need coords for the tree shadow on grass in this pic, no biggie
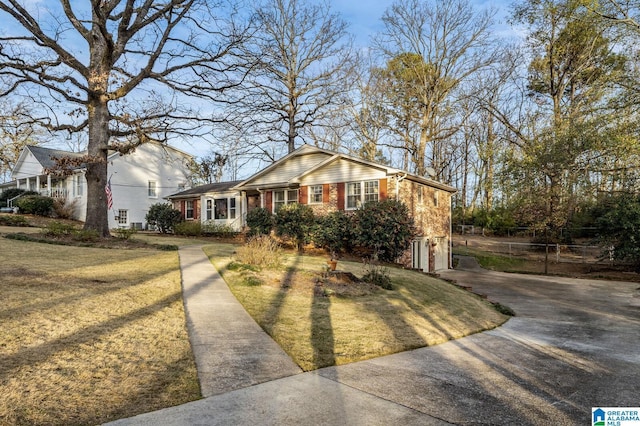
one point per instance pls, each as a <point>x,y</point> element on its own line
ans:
<point>322,338</point>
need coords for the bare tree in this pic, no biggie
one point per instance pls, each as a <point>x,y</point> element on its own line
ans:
<point>16,131</point>
<point>432,48</point>
<point>301,52</point>
<point>118,70</point>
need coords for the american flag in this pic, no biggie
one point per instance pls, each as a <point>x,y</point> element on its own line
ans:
<point>107,190</point>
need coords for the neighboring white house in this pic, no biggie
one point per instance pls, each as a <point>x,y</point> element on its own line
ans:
<point>329,181</point>
<point>138,180</point>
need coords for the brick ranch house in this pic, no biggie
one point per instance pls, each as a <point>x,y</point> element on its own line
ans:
<point>327,181</point>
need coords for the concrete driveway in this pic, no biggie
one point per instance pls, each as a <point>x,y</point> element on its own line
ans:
<point>573,345</point>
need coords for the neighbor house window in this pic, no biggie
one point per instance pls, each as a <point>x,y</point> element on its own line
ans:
<point>224,208</point>
<point>359,193</point>
<point>221,208</point>
<point>188,210</point>
<point>435,198</point>
<point>280,198</point>
<point>77,185</point>
<point>232,208</point>
<point>209,209</point>
<point>152,189</point>
<point>123,217</point>
<point>315,194</point>
<point>420,193</point>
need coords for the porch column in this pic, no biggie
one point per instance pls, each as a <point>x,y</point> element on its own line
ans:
<point>28,185</point>
<point>49,185</point>
<point>38,184</point>
<point>243,208</point>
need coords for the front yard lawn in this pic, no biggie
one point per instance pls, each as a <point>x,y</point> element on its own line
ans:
<point>90,335</point>
<point>338,323</point>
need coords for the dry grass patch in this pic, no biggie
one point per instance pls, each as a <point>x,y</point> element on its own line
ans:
<point>317,330</point>
<point>90,335</point>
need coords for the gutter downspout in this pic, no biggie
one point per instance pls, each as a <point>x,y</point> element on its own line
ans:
<point>398,180</point>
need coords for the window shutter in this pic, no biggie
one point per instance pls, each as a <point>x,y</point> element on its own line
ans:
<point>303,195</point>
<point>183,208</point>
<point>325,193</point>
<point>383,189</point>
<point>268,200</point>
<point>341,196</point>
<point>195,209</point>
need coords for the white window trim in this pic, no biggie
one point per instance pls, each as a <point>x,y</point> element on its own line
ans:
<point>155,189</point>
<point>120,216</point>
<point>186,209</point>
<point>310,194</point>
<point>359,202</point>
<point>286,197</point>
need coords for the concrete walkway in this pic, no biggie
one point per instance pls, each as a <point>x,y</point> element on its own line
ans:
<point>572,346</point>
<point>230,348</point>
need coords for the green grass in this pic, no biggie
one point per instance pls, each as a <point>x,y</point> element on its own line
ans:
<point>360,321</point>
<point>490,261</point>
<point>90,335</point>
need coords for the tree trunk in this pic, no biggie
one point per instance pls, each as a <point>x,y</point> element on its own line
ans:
<point>97,215</point>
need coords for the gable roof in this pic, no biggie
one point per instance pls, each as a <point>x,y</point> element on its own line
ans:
<point>293,175</point>
<point>204,189</point>
<point>45,155</point>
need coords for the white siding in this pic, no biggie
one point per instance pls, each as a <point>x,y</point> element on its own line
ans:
<point>290,169</point>
<point>130,175</point>
<point>28,167</point>
<point>343,171</point>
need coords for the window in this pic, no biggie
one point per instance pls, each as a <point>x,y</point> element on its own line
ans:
<point>435,197</point>
<point>315,194</point>
<point>209,209</point>
<point>232,208</point>
<point>354,192</point>
<point>371,191</point>
<point>123,217</point>
<point>188,209</point>
<point>152,189</point>
<point>77,185</point>
<point>221,208</point>
<point>280,198</point>
<point>359,193</point>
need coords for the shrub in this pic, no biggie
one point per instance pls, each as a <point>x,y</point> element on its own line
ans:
<point>378,275</point>
<point>218,229</point>
<point>190,228</point>
<point>260,250</point>
<point>58,229</point>
<point>124,233</point>
<point>618,226</point>
<point>167,247</point>
<point>64,209</point>
<point>333,232</point>
<point>294,221</point>
<point>164,217</point>
<point>10,193</point>
<point>385,227</point>
<point>259,221</point>
<point>12,220</point>
<point>35,204</point>
<point>86,235</point>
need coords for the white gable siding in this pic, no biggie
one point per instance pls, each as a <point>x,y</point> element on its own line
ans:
<point>29,166</point>
<point>343,171</point>
<point>290,169</point>
<point>130,175</point>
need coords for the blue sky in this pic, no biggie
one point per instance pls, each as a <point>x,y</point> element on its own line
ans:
<point>364,16</point>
